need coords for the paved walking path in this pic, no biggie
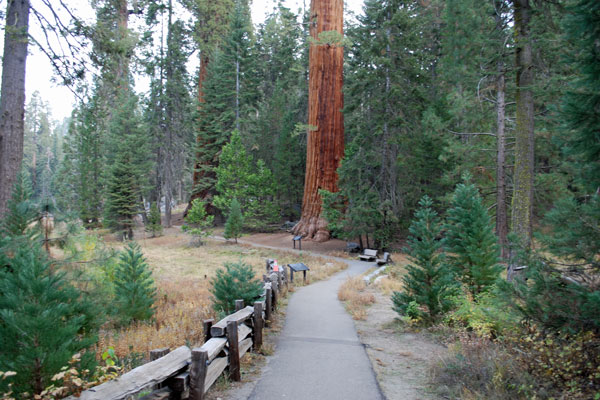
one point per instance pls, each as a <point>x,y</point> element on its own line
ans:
<point>318,354</point>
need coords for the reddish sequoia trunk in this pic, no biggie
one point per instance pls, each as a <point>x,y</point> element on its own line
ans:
<point>199,173</point>
<point>325,145</point>
<point>12,101</point>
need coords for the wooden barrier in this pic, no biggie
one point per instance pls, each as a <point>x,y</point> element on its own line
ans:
<point>186,372</point>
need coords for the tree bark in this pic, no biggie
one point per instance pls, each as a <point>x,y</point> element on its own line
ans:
<point>199,174</point>
<point>325,143</point>
<point>522,202</point>
<point>501,207</point>
<point>12,101</point>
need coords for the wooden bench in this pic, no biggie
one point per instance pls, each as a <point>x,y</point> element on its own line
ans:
<point>368,255</point>
<point>386,259</point>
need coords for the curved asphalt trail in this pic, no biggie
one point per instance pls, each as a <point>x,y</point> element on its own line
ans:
<point>318,353</point>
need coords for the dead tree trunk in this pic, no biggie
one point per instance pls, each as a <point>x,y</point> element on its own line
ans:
<point>522,202</point>
<point>12,101</point>
<point>325,144</point>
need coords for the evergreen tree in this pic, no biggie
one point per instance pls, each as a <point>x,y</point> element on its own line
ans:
<point>126,178</point>
<point>154,224</point>
<point>134,287</point>
<point>235,221</point>
<point>252,185</point>
<point>276,133</point>
<point>197,221</point>
<point>236,281</point>
<point>580,104</point>
<point>21,211</point>
<point>470,240</point>
<point>43,320</point>
<point>229,95</point>
<point>429,281</point>
<point>390,159</point>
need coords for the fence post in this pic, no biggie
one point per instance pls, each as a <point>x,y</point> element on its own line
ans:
<point>268,304</point>
<point>258,325</point>
<point>275,291</point>
<point>206,325</point>
<point>158,353</point>
<point>198,374</point>
<point>239,304</point>
<point>234,351</point>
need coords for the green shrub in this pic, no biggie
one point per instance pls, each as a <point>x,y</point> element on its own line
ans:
<point>429,282</point>
<point>486,315</point>
<point>134,287</point>
<point>154,225</point>
<point>237,281</point>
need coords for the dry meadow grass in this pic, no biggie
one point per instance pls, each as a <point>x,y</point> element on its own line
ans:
<point>352,293</point>
<point>182,275</point>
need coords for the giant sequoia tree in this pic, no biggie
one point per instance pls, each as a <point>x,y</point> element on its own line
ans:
<point>325,146</point>
<point>12,102</point>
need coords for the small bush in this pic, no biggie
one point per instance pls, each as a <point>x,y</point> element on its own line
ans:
<point>564,365</point>
<point>237,281</point>
<point>478,368</point>
<point>486,315</point>
<point>134,287</point>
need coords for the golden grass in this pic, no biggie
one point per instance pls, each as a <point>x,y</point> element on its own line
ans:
<point>179,310</point>
<point>352,293</point>
<point>182,274</point>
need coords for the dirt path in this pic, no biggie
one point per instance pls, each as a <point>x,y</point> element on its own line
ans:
<point>401,360</point>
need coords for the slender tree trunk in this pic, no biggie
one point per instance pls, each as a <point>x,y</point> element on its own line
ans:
<point>501,207</point>
<point>12,100</point>
<point>325,144</point>
<point>522,202</point>
<point>168,167</point>
<point>237,93</point>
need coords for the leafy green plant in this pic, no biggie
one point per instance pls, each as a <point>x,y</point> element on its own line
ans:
<point>235,221</point>
<point>236,281</point>
<point>134,286</point>
<point>154,225</point>
<point>197,222</point>
<point>429,281</point>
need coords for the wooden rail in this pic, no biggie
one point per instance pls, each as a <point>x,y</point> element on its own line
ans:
<point>189,373</point>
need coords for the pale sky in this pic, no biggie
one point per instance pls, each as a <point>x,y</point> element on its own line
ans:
<point>39,72</point>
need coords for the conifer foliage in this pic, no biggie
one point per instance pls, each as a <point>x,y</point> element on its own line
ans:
<point>429,281</point>
<point>236,281</point>
<point>235,221</point>
<point>251,184</point>
<point>471,240</point>
<point>154,226</point>
<point>134,286</point>
<point>43,320</point>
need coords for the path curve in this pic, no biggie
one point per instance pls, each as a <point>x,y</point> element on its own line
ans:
<point>318,353</point>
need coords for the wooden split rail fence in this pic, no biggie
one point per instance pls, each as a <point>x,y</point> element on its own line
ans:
<point>189,373</point>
